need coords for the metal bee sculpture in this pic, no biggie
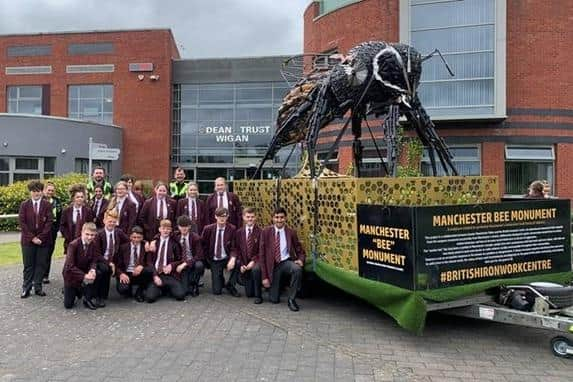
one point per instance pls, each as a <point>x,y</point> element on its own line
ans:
<point>375,78</point>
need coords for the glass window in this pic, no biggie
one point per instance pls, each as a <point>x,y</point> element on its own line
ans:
<point>82,165</point>
<point>14,169</point>
<point>466,160</point>
<point>29,50</point>
<point>26,164</point>
<point>91,103</point>
<point>4,179</point>
<point>464,32</point>
<point>90,48</point>
<point>524,165</point>
<point>326,6</point>
<point>49,165</point>
<point>4,164</point>
<point>25,99</point>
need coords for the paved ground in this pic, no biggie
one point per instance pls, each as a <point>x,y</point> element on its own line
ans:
<point>333,338</point>
<point>9,237</point>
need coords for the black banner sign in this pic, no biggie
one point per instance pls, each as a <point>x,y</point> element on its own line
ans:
<point>455,245</point>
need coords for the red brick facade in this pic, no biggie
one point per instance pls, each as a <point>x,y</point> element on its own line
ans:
<point>141,107</point>
<point>538,82</point>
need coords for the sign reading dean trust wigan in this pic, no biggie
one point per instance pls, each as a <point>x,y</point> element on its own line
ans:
<point>230,134</point>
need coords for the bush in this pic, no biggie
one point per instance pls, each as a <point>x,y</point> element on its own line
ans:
<point>13,195</point>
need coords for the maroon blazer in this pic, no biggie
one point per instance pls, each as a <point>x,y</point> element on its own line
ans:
<point>267,245</point>
<point>67,225</point>
<point>79,262</point>
<point>140,199</point>
<point>27,222</point>
<point>148,216</point>
<point>183,209</point>
<point>127,216</point>
<point>119,238</point>
<point>196,248</point>
<point>241,241</point>
<point>209,237</point>
<point>123,256</point>
<point>235,209</point>
<point>173,256</point>
<point>98,218</point>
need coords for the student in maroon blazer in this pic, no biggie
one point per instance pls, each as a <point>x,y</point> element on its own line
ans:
<point>163,257</point>
<point>80,276</point>
<point>281,255</point>
<point>72,223</point>
<point>135,198</point>
<point>35,220</point>
<point>193,207</point>
<point>108,240</point>
<point>247,239</point>
<point>130,266</point>
<point>98,206</point>
<point>221,253</point>
<point>191,268</point>
<point>126,211</point>
<point>156,209</point>
<point>221,198</point>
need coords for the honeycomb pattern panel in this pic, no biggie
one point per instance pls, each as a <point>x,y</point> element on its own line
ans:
<point>261,195</point>
<point>428,191</point>
<point>296,196</point>
<point>337,222</point>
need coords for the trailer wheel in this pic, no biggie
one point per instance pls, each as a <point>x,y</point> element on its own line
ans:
<point>559,346</point>
<point>560,295</point>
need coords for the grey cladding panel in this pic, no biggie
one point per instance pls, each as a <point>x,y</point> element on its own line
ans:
<point>29,50</point>
<point>90,48</point>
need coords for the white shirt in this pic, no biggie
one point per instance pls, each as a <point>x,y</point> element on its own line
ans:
<point>188,255</point>
<point>134,200</point>
<point>75,214</point>
<point>97,205</point>
<point>247,230</point>
<point>223,252</point>
<point>225,200</point>
<point>161,202</point>
<point>132,259</point>
<point>36,205</point>
<point>108,247</point>
<point>161,241</point>
<point>191,202</point>
<point>119,204</point>
<point>284,248</point>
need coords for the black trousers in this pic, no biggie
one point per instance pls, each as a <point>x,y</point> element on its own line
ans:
<point>35,260</point>
<point>103,270</point>
<point>191,276</point>
<point>140,281</point>
<point>170,286</point>
<point>282,270</point>
<point>51,253</point>
<point>218,275</point>
<point>252,281</point>
<point>88,291</point>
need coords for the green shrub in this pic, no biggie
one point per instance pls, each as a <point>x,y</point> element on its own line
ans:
<point>13,195</point>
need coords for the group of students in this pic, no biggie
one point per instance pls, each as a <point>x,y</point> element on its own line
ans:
<point>154,247</point>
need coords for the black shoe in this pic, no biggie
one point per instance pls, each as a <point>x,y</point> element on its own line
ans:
<point>100,303</point>
<point>292,305</point>
<point>201,284</point>
<point>139,295</point>
<point>258,300</point>
<point>25,293</point>
<point>233,291</point>
<point>46,281</point>
<point>89,304</point>
<point>39,292</point>
<point>194,291</point>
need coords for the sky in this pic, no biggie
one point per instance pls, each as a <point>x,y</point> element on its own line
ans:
<point>202,28</point>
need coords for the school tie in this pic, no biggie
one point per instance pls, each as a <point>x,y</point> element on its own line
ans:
<point>186,249</point>
<point>219,249</point>
<point>133,257</point>
<point>162,209</point>
<point>162,250</point>
<point>36,213</point>
<point>193,217</point>
<point>78,225</point>
<point>220,200</point>
<point>109,246</point>
<point>250,241</point>
<point>278,248</point>
<point>98,206</point>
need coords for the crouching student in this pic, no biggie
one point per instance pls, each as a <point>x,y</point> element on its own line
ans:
<point>80,277</point>
<point>130,266</point>
<point>191,268</point>
<point>108,241</point>
<point>163,257</point>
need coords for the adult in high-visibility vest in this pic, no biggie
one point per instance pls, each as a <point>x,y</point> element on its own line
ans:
<point>98,177</point>
<point>178,188</point>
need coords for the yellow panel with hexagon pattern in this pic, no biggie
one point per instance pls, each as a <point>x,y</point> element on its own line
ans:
<point>336,237</point>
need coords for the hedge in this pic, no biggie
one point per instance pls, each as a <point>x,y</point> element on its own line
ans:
<point>13,195</point>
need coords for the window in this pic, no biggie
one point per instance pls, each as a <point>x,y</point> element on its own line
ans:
<point>82,165</point>
<point>29,50</point>
<point>524,164</point>
<point>91,103</point>
<point>327,6</point>
<point>25,99</point>
<point>466,160</point>
<point>465,33</point>
<point>371,166</point>
<point>14,169</point>
<point>90,48</point>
